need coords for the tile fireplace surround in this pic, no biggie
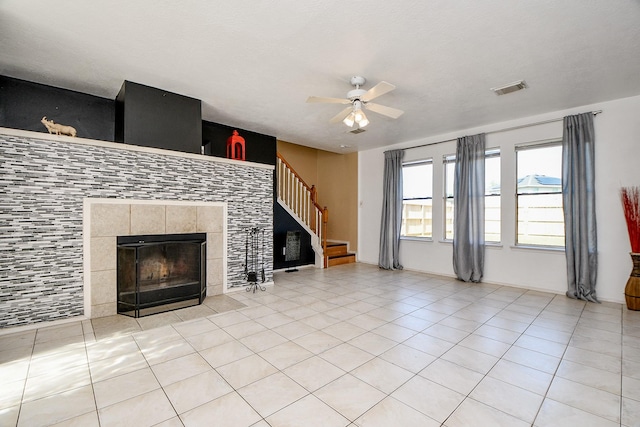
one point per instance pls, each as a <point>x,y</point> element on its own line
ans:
<point>52,185</point>
<point>106,219</point>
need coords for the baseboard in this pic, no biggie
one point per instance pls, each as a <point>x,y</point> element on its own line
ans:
<point>299,267</point>
<point>25,328</point>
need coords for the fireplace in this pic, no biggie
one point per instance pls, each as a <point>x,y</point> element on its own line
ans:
<point>157,273</point>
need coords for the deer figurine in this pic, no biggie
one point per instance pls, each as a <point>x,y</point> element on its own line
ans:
<point>57,128</point>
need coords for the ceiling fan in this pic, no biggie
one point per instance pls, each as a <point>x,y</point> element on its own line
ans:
<point>360,99</point>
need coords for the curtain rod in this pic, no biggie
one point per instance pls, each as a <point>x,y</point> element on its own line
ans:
<point>544,122</point>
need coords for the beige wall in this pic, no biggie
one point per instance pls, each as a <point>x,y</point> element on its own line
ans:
<point>338,191</point>
<point>303,159</point>
<point>336,179</point>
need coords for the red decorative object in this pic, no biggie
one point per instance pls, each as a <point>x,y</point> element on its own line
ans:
<point>631,206</point>
<point>235,146</point>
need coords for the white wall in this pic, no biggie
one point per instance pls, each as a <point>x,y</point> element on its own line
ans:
<point>617,164</point>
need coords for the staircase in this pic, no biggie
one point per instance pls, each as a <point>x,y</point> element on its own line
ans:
<point>300,201</point>
<point>337,254</point>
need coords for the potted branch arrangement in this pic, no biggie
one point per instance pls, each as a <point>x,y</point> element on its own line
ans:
<point>631,205</point>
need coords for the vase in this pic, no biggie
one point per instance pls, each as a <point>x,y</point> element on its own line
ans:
<point>632,290</point>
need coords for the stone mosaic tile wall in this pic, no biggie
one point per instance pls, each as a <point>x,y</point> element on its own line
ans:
<point>43,184</point>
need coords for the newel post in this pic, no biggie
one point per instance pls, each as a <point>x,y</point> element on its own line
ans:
<point>325,220</point>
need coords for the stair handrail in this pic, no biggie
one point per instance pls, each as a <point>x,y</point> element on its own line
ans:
<point>302,199</point>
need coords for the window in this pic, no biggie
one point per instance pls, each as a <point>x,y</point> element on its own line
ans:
<point>417,192</point>
<point>540,220</point>
<point>491,192</point>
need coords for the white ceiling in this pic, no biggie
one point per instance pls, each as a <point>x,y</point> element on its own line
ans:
<point>254,63</point>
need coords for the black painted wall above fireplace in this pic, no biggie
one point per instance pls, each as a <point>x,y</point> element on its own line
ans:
<point>24,103</point>
<point>259,148</point>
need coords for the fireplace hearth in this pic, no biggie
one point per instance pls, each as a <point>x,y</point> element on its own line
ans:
<point>158,273</point>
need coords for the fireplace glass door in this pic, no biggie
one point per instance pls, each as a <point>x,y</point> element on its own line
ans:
<point>160,272</point>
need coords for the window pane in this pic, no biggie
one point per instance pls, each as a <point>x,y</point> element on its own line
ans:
<point>540,170</point>
<point>449,171</point>
<point>448,216</point>
<point>492,218</point>
<point>416,181</point>
<point>416,218</point>
<point>539,196</point>
<point>492,175</point>
<point>540,220</point>
<point>417,190</point>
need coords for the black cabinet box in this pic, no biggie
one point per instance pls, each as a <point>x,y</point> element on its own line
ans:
<point>151,117</point>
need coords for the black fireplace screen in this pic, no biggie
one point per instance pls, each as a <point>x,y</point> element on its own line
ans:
<point>158,273</point>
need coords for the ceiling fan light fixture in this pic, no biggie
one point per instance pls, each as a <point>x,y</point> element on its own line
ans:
<point>363,121</point>
<point>350,119</point>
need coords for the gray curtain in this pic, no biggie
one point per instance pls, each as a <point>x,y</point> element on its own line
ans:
<point>468,198</point>
<point>391,211</point>
<point>578,196</point>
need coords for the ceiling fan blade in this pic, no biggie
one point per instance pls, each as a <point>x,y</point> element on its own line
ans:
<point>341,115</point>
<point>376,91</point>
<point>328,100</point>
<point>394,113</point>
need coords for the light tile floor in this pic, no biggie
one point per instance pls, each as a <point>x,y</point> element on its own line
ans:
<point>348,346</point>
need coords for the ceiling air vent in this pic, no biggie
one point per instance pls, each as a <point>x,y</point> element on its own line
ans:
<point>511,87</point>
<point>357,131</point>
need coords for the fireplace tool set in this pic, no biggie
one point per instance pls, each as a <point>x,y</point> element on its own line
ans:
<point>254,257</point>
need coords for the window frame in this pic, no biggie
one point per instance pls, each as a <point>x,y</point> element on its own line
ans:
<point>556,142</point>
<point>413,163</point>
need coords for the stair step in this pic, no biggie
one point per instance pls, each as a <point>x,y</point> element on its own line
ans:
<point>334,249</point>
<point>347,258</point>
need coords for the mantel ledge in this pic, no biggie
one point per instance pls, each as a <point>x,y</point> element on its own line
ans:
<point>121,146</point>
